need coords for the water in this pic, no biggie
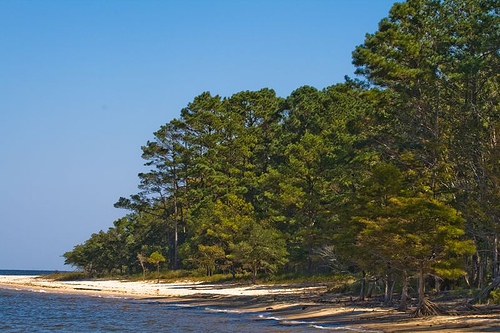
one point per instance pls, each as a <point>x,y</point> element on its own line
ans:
<point>24,272</point>
<point>30,311</point>
<point>23,310</point>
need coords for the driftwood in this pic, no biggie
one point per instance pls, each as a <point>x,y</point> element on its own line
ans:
<point>465,307</point>
<point>486,291</point>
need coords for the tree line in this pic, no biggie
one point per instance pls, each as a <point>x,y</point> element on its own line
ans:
<point>391,177</point>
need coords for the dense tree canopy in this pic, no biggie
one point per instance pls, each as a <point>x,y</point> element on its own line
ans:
<point>395,177</point>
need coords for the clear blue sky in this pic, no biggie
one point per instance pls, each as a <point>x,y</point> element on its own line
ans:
<point>84,84</point>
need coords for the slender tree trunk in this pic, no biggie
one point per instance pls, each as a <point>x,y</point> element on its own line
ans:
<point>176,241</point>
<point>479,270</point>
<point>437,284</point>
<point>141,261</point>
<point>254,274</point>
<point>363,283</point>
<point>371,286</point>
<point>473,271</point>
<point>166,218</point>
<point>421,285</point>
<point>495,255</point>
<point>388,289</point>
<point>391,291</point>
<point>176,234</point>
<point>403,305</point>
<point>425,307</point>
<point>483,270</point>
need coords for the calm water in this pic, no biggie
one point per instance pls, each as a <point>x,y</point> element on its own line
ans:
<point>30,311</point>
<point>24,272</point>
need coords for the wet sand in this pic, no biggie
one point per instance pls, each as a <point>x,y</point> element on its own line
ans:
<point>288,303</point>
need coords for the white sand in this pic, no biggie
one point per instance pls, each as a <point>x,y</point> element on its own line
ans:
<point>148,288</point>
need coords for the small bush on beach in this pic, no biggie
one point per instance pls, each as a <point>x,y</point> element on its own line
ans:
<point>156,258</point>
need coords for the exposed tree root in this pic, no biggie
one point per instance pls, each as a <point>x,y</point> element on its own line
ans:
<point>427,308</point>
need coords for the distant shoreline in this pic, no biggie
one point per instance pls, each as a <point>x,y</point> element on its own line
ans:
<point>30,272</point>
<point>293,303</point>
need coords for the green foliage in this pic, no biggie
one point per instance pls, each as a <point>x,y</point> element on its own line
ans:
<point>331,280</point>
<point>261,249</point>
<point>396,174</point>
<point>408,231</point>
<point>207,257</point>
<point>156,258</point>
<point>495,296</point>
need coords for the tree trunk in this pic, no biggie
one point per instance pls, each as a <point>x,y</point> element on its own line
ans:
<point>425,307</point>
<point>484,269</point>
<point>143,271</point>
<point>371,286</point>
<point>437,284</point>
<point>479,270</point>
<point>166,218</point>
<point>421,285</point>
<point>495,255</point>
<point>158,266</point>
<point>254,274</point>
<point>363,283</point>
<point>391,291</point>
<point>476,266</point>
<point>176,234</point>
<point>176,241</point>
<point>403,305</point>
<point>142,259</point>
<point>388,283</point>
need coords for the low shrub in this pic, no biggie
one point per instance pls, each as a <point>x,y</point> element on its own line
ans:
<point>495,296</point>
<point>67,276</point>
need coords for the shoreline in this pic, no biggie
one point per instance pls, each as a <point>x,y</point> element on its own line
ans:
<point>288,304</point>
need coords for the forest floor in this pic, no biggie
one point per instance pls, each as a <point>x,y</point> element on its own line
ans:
<point>288,303</point>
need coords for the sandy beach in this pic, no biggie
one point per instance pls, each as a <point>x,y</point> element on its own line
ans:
<point>286,303</point>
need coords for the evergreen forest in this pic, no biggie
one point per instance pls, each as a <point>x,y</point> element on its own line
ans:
<point>391,177</point>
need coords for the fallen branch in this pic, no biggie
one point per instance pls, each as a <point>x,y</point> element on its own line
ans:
<point>485,293</point>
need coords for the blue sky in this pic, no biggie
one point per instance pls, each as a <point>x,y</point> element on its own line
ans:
<point>84,84</point>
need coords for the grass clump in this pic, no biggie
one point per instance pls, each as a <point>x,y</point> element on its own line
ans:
<point>301,278</point>
<point>67,276</point>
